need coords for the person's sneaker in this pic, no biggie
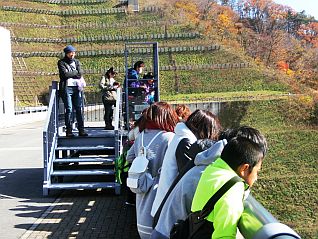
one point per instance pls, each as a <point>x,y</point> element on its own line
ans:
<point>82,133</point>
<point>69,134</point>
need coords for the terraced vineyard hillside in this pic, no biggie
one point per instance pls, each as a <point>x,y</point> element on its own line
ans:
<point>190,62</point>
<point>191,65</point>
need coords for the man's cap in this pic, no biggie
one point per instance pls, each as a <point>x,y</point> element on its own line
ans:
<point>68,49</point>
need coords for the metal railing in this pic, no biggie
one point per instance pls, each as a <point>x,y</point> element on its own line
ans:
<point>118,124</point>
<point>257,223</point>
<point>51,130</point>
<point>50,135</point>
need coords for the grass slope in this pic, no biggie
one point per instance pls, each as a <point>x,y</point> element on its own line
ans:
<point>288,182</point>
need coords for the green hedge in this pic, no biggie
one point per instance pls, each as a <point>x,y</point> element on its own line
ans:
<point>223,80</point>
<point>70,2</point>
<point>110,38</point>
<point>99,11</point>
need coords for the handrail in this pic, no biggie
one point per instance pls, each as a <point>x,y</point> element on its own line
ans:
<point>257,223</point>
<point>50,134</point>
<point>118,109</point>
<point>118,124</point>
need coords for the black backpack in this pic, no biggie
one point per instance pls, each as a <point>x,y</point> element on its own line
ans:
<point>195,148</point>
<point>195,226</point>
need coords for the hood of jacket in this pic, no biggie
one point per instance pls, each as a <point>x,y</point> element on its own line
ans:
<point>208,156</point>
<point>183,131</point>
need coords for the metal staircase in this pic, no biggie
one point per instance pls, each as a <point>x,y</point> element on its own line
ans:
<point>85,162</point>
<point>80,162</point>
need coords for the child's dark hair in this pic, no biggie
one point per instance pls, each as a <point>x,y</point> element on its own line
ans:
<point>241,150</point>
<point>246,132</point>
<point>109,72</point>
<point>149,75</point>
<point>138,64</point>
<point>204,124</point>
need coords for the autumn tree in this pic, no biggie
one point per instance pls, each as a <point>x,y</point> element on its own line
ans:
<point>309,33</point>
<point>188,9</point>
<point>219,20</point>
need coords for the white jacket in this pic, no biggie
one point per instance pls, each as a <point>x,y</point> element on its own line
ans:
<point>169,169</point>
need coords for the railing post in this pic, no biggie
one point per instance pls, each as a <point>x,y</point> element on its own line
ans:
<point>45,164</point>
<point>56,101</point>
<point>117,123</point>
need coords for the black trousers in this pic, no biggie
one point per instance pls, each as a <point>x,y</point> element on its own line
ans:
<point>108,116</point>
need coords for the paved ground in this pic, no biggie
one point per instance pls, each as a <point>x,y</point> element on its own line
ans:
<point>25,213</point>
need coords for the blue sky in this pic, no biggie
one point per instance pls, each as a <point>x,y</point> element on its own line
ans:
<point>310,6</point>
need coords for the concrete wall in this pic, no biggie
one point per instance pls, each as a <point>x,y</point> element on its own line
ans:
<point>7,116</point>
<point>6,79</point>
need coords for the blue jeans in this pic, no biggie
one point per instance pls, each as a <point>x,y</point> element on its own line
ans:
<point>73,99</point>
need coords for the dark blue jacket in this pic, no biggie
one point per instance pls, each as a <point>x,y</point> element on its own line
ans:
<point>133,74</point>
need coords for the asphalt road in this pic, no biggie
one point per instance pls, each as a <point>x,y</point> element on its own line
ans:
<point>21,174</point>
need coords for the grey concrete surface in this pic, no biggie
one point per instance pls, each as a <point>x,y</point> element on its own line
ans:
<point>25,213</point>
<point>21,201</point>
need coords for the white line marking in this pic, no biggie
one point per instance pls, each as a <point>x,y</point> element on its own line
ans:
<point>6,197</point>
<point>21,149</point>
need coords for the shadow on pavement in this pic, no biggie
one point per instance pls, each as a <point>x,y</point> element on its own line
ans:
<point>75,214</point>
<point>88,214</point>
<point>22,183</point>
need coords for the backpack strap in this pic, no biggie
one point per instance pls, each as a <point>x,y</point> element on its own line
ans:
<point>185,169</point>
<point>208,207</point>
<point>142,138</point>
<point>144,148</point>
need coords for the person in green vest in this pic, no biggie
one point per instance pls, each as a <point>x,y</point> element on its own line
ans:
<point>122,165</point>
<point>241,157</point>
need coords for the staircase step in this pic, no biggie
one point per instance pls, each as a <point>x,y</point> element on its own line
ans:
<point>83,172</point>
<point>107,160</point>
<point>97,147</point>
<point>96,136</point>
<point>95,132</point>
<point>84,185</point>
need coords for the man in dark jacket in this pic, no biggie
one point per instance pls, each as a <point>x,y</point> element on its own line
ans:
<point>70,74</point>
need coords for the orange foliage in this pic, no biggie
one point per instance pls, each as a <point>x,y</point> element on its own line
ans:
<point>309,33</point>
<point>221,18</point>
<point>283,66</point>
<point>190,9</point>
